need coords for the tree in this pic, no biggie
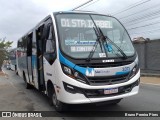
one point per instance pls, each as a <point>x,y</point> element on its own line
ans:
<point>4,46</point>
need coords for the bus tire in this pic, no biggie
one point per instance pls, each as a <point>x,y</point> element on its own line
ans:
<point>58,105</point>
<point>16,72</point>
<point>27,85</point>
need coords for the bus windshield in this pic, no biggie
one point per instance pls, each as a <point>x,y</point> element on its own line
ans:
<point>79,34</point>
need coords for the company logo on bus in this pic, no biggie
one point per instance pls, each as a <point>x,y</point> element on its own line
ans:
<point>107,61</point>
<point>101,71</point>
<point>90,72</point>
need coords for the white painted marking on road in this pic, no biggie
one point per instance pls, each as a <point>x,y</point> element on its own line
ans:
<point>150,84</point>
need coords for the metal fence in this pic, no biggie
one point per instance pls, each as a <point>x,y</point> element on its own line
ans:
<point>149,56</point>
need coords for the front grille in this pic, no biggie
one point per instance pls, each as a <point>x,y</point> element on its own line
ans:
<point>108,80</point>
<point>103,65</point>
<point>100,92</point>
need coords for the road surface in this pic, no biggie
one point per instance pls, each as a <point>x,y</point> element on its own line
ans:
<point>14,97</point>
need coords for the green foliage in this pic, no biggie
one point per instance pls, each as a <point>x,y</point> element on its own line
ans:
<point>4,46</point>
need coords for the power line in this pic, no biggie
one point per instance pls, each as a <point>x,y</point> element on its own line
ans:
<point>82,5</point>
<point>154,13</point>
<point>141,21</point>
<point>143,17</point>
<point>147,15</point>
<point>90,4</point>
<point>147,31</point>
<point>144,10</point>
<point>136,4</point>
<point>144,25</point>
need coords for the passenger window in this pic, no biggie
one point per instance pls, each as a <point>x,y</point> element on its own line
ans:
<point>39,33</point>
<point>29,44</point>
<point>50,41</point>
<point>49,44</point>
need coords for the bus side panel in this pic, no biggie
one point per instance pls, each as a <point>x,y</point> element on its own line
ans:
<point>49,71</point>
<point>22,65</point>
<point>29,62</point>
<point>22,58</point>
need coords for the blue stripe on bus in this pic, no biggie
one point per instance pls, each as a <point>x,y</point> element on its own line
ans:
<point>82,70</point>
<point>122,73</point>
<point>65,61</point>
<point>34,63</point>
<point>72,65</point>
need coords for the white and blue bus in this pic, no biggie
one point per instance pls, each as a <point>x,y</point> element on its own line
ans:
<point>78,58</point>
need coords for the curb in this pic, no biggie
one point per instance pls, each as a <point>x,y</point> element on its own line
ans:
<point>149,75</point>
<point>150,84</point>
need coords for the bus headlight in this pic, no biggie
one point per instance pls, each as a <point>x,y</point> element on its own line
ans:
<point>134,71</point>
<point>73,74</point>
<point>67,70</point>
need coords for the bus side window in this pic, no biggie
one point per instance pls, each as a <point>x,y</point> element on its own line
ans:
<point>29,44</point>
<point>24,45</point>
<point>39,32</point>
<point>50,44</point>
<point>19,48</point>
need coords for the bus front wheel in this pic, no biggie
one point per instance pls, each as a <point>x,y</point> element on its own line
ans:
<point>58,105</point>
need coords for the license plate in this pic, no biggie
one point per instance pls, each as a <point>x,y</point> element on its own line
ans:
<point>110,91</point>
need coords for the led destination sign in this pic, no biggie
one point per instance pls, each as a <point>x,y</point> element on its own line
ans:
<point>81,23</point>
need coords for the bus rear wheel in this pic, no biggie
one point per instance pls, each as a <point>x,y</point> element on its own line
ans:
<point>27,85</point>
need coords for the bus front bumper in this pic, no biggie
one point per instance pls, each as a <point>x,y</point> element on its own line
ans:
<point>75,95</point>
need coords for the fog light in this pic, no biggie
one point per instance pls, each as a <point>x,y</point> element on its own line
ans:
<point>70,87</point>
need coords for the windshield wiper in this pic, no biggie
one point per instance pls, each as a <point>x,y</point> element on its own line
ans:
<point>95,46</point>
<point>98,40</point>
<point>105,38</point>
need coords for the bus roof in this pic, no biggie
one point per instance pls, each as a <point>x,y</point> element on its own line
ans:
<point>75,11</point>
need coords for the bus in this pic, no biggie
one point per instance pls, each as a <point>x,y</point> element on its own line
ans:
<point>12,59</point>
<point>77,57</point>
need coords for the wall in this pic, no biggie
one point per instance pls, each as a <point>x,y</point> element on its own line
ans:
<point>149,56</point>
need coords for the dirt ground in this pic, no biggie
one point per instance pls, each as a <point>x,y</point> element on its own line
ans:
<point>151,80</point>
<point>1,73</point>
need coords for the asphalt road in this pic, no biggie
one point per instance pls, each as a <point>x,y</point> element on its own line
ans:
<point>14,97</point>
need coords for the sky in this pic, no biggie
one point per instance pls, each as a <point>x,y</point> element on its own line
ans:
<point>140,17</point>
<point>19,16</point>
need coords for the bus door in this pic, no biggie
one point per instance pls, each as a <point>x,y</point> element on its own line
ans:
<point>49,51</point>
<point>46,49</point>
<point>29,57</point>
<point>34,61</point>
<point>40,70</point>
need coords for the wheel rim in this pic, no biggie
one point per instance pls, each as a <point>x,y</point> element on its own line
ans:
<point>54,99</point>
